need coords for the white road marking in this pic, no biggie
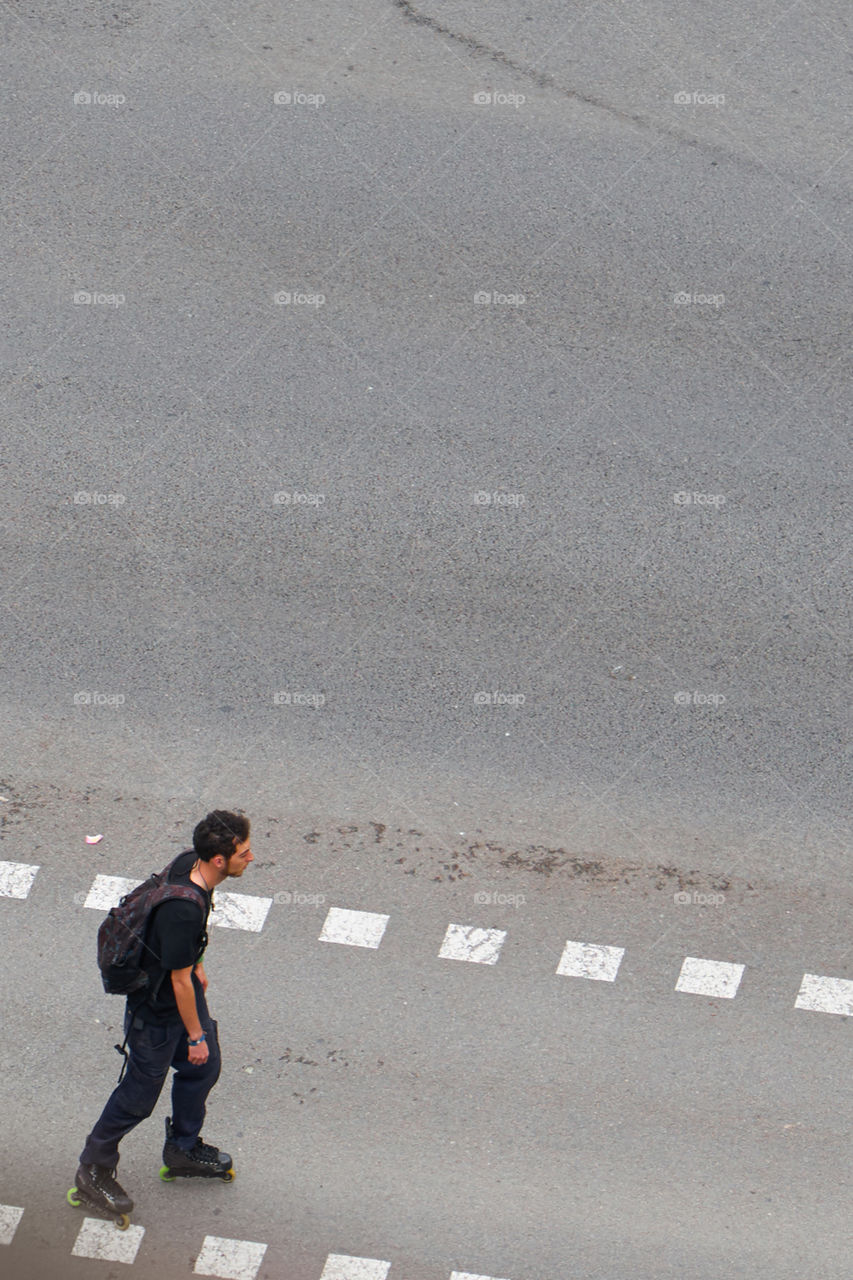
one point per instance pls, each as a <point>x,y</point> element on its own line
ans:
<point>340,1266</point>
<point>825,995</point>
<point>103,1240</point>
<point>229,1259</point>
<point>353,928</point>
<point>466,942</point>
<point>468,1275</point>
<point>239,911</point>
<point>16,879</point>
<point>233,910</point>
<point>107,891</point>
<point>10,1216</point>
<point>588,960</point>
<point>715,978</point>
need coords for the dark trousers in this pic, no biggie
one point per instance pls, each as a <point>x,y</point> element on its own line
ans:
<point>153,1050</point>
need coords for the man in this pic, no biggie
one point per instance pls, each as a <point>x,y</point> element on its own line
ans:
<point>168,1025</point>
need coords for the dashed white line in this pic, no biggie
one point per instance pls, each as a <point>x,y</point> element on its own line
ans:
<point>229,1259</point>
<point>101,1240</point>
<point>16,879</point>
<point>825,995</point>
<point>340,1266</point>
<point>715,978</point>
<point>10,1216</point>
<point>353,928</point>
<point>589,960</point>
<point>466,942</point>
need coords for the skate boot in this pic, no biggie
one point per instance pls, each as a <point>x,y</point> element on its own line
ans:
<point>97,1187</point>
<point>204,1161</point>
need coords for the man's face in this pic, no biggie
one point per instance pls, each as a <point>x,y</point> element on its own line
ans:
<point>239,860</point>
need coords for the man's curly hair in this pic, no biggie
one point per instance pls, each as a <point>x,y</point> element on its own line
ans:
<point>220,833</point>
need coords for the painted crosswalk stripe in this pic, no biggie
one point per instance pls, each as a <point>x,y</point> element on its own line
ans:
<point>229,1259</point>
<point>10,1216</point>
<point>715,978</point>
<point>353,928</point>
<point>107,891</point>
<point>825,995</point>
<point>239,911</point>
<point>232,910</point>
<point>588,960</point>
<point>16,879</point>
<point>340,1266</point>
<point>468,1275</point>
<point>467,942</point>
<point>101,1240</point>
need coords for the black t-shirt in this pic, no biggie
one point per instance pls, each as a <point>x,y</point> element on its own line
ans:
<point>176,937</point>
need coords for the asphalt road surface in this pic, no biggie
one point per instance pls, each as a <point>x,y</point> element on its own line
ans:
<point>426,428</point>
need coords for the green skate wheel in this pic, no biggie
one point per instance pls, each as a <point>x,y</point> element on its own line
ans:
<point>166,1175</point>
<point>73,1197</point>
<point>123,1222</point>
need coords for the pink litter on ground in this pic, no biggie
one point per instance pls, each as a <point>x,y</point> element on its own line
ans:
<point>93,839</point>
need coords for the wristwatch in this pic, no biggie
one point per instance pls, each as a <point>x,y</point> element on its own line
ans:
<point>193,1043</point>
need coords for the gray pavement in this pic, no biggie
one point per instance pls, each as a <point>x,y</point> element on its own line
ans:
<point>447,463</point>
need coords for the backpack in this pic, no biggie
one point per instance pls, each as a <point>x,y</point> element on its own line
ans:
<point>121,937</point>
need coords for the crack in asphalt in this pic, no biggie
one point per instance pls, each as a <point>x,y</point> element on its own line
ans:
<point>543,80</point>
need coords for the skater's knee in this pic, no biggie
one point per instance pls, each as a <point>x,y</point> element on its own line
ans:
<point>140,1107</point>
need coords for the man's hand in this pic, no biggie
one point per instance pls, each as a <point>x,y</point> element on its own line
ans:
<point>198,1054</point>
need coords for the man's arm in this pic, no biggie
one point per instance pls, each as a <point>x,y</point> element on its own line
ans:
<point>182,985</point>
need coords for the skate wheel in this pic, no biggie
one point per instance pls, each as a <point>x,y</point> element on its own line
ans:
<point>166,1175</point>
<point>123,1222</point>
<point>73,1197</point>
<point>229,1175</point>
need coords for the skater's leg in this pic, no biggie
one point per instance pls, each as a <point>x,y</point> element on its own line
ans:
<point>151,1049</point>
<point>191,1084</point>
